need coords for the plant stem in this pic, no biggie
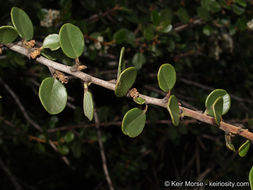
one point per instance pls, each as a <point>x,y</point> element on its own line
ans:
<point>149,100</point>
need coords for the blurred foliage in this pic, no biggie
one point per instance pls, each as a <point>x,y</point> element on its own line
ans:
<point>208,41</point>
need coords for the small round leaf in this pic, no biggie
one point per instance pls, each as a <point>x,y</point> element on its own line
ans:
<point>166,77</point>
<point>243,150</point>
<point>155,17</point>
<point>71,40</point>
<point>63,149</point>
<point>7,34</point>
<point>217,108</point>
<point>138,60</point>
<point>165,27</point>
<point>22,23</point>
<point>76,149</point>
<point>125,81</point>
<point>213,96</point>
<point>174,110</point>
<point>183,15</point>
<point>133,122</point>
<point>139,100</point>
<point>53,95</point>
<point>69,137</point>
<point>88,106</point>
<point>52,42</point>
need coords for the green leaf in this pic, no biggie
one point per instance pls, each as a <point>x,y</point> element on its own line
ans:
<point>124,35</point>
<point>125,81</point>
<point>217,108</point>
<point>251,178</point>
<point>155,17</point>
<point>121,66</point>
<point>120,35</point>
<point>183,15</point>
<point>229,144</point>
<point>241,23</point>
<point>166,15</point>
<point>224,4</point>
<point>53,95</point>
<point>237,9</point>
<point>63,149</point>
<point>69,136</point>
<point>243,150</point>
<point>138,60</point>
<point>53,121</point>
<point>174,110</point>
<point>139,100</point>
<point>242,3</point>
<point>214,6</point>
<point>88,107</point>
<point>71,40</point>
<point>7,34</point>
<point>213,96</point>
<point>165,27</point>
<point>211,5</point>
<point>22,23</point>
<point>207,30</point>
<point>203,14</point>
<point>133,122</point>
<point>166,77</point>
<point>52,42</point>
<point>76,149</point>
<point>148,33</point>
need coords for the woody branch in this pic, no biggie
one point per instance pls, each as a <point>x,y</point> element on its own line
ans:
<point>228,128</point>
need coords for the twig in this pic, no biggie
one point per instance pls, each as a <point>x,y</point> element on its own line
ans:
<point>7,122</point>
<point>149,100</point>
<point>95,17</point>
<point>10,175</point>
<point>81,126</point>
<point>102,152</point>
<point>187,81</point>
<point>164,94</point>
<point>192,23</point>
<point>37,139</point>
<point>113,123</point>
<point>27,117</point>
<point>64,158</point>
<point>21,107</point>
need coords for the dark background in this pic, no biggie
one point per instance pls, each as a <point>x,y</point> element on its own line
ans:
<point>214,54</point>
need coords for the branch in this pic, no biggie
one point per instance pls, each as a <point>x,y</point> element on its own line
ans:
<point>21,107</point>
<point>187,81</point>
<point>149,100</point>
<point>193,22</point>
<point>113,123</point>
<point>27,117</point>
<point>102,151</point>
